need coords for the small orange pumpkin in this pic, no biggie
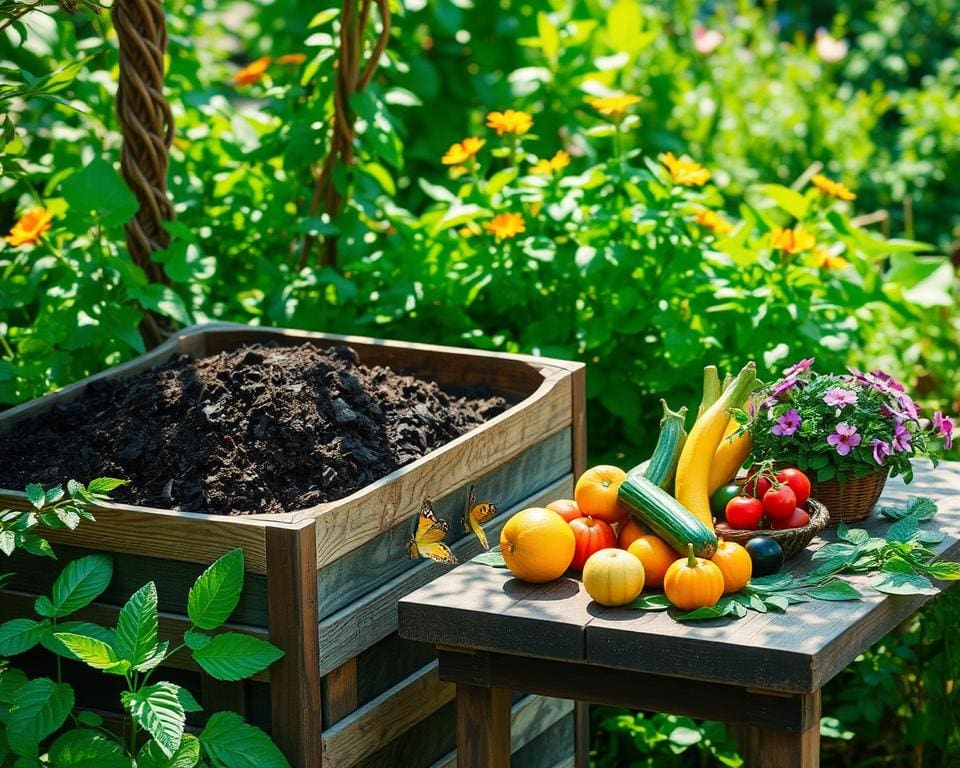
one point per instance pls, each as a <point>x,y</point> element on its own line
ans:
<point>735,564</point>
<point>656,555</point>
<point>692,582</point>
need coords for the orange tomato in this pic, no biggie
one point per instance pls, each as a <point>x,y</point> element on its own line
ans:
<point>630,531</point>
<point>566,508</point>
<point>596,493</point>
<point>656,555</point>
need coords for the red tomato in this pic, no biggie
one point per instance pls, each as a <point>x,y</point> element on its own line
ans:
<point>757,486</point>
<point>744,512</point>
<point>779,503</point>
<point>798,519</point>
<point>591,536</point>
<point>798,482</point>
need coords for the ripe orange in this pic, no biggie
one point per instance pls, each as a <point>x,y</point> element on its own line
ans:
<point>537,545</point>
<point>630,531</point>
<point>596,493</point>
<point>656,555</point>
<point>566,508</point>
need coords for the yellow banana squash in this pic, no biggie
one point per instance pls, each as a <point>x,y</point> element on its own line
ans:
<point>730,455</point>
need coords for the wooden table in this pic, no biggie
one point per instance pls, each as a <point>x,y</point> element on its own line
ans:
<point>764,672</point>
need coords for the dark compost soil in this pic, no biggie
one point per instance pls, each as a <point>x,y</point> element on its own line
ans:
<point>261,429</point>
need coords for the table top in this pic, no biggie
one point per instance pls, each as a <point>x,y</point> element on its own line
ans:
<point>482,608</point>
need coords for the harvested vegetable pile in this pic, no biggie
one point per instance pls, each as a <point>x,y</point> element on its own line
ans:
<point>260,429</point>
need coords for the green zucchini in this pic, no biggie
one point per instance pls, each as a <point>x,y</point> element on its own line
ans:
<point>666,516</point>
<point>712,389</point>
<point>662,467</point>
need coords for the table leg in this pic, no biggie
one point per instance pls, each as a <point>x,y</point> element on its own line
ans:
<point>483,727</point>
<point>781,749</point>
<point>581,734</point>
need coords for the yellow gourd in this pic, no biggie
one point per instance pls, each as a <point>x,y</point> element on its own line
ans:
<point>613,577</point>
<point>729,456</point>
<point>693,470</point>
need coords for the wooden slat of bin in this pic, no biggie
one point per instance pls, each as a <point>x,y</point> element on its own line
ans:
<point>374,616</point>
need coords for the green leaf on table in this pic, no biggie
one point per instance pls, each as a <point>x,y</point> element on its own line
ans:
<point>186,756</point>
<point>771,583</point>
<point>856,536</point>
<point>52,644</point>
<point>904,583</point>
<point>216,592</point>
<point>99,190</point>
<point>931,537</point>
<point>19,635</point>
<point>777,603</point>
<point>825,571</point>
<point>702,614</point>
<point>136,635</point>
<point>94,653</point>
<point>904,530</point>
<point>81,582</point>
<point>653,602</point>
<point>228,741</point>
<point>157,709</point>
<point>36,495</point>
<point>757,604</point>
<point>944,570</point>
<point>922,507</point>
<point>493,558</point>
<point>234,656</point>
<point>835,590</point>
<point>84,748</point>
<point>41,707</point>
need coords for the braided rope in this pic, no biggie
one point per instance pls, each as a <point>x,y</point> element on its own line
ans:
<point>147,126</point>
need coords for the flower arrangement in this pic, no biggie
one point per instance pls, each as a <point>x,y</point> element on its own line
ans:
<point>838,426</point>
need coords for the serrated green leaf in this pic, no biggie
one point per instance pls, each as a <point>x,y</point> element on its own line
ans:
<point>195,640</point>
<point>216,592</point>
<point>19,635</point>
<point>943,570</point>
<point>157,709</point>
<point>233,656</point>
<point>136,634</point>
<point>11,681</point>
<point>83,748</point>
<point>155,658</point>
<point>922,507</point>
<point>188,702</point>
<point>54,494</point>
<point>36,495</point>
<point>702,614</point>
<point>652,602</point>
<point>897,583</point>
<point>904,530</point>
<point>186,756</point>
<point>41,707</point>
<point>104,484</point>
<point>36,545</point>
<point>81,582</point>
<point>777,602</point>
<point>87,628</point>
<point>834,590</point>
<point>493,558</point>
<point>99,190</point>
<point>93,652</point>
<point>8,542</point>
<point>227,740</point>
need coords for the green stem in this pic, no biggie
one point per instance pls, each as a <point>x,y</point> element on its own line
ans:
<point>691,558</point>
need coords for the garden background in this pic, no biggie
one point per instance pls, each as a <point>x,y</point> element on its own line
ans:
<point>570,237</point>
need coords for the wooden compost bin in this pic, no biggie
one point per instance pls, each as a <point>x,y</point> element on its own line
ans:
<point>323,583</point>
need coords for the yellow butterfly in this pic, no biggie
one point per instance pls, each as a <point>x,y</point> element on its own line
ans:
<point>428,540</point>
<point>475,514</point>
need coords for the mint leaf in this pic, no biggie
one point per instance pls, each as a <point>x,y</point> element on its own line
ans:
<point>53,645</point>
<point>103,485</point>
<point>493,558</point>
<point>137,626</point>
<point>650,603</point>
<point>94,653</point>
<point>157,709</point>
<point>898,583</point>
<point>187,756</point>
<point>922,507</point>
<point>233,656</point>
<point>36,495</point>
<point>41,707</point>
<point>904,530</point>
<point>227,740</point>
<point>83,748</point>
<point>943,570</point>
<point>19,635</point>
<point>81,582</point>
<point>216,592</point>
<point>835,590</point>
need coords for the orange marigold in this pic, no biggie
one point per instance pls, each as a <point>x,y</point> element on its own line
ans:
<point>556,163</point>
<point>714,222</point>
<point>832,188</point>
<point>685,171</point>
<point>792,240</point>
<point>252,73</point>
<point>292,58</point>
<point>510,121</point>
<point>30,227</point>
<point>459,153</point>
<point>613,106</point>
<point>505,225</point>
<point>821,257</point>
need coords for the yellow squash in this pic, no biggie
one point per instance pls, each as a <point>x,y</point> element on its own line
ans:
<point>730,455</point>
<point>693,470</point>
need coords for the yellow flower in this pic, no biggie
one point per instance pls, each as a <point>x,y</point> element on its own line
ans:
<point>832,188</point>
<point>613,106</point>
<point>460,153</point>
<point>252,73</point>
<point>511,121</point>
<point>505,225</point>
<point>292,58</point>
<point>547,167</point>
<point>714,222</point>
<point>792,240</point>
<point>684,171</point>
<point>821,257</point>
<point>30,228</point>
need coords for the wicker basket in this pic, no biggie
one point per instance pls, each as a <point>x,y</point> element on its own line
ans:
<point>791,540</point>
<point>850,500</point>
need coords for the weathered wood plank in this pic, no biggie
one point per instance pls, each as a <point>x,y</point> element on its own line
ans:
<point>374,725</point>
<point>296,712</point>
<point>387,662</point>
<point>15,604</point>
<point>374,616</point>
<point>223,696</point>
<point>384,557</point>
<point>340,695</point>
<point>345,525</point>
<point>578,381</point>
<point>483,727</point>
<point>782,749</point>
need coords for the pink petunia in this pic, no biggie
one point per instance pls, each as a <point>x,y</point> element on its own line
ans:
<point>944,425</point>
<point>901,438</point>
<point>840,398</point>
<point>802,367</point>
<point>844,438</point>
<point>881,449</point>
<point>787,424</point>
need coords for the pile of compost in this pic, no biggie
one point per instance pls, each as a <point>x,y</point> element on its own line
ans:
<point>261,429</point>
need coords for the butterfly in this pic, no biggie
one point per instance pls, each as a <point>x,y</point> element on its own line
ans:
<point>474,514</point>
<point>428,540</point>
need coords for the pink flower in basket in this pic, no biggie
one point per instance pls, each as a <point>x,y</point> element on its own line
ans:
<point>840,398</point>
<point>787,424</point>
<point>845,438</point>
<point>944,425</point>
<point>901,438</point>
<point>881,449</point>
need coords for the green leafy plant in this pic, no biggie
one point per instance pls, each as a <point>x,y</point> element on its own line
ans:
<point>39,722</point>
